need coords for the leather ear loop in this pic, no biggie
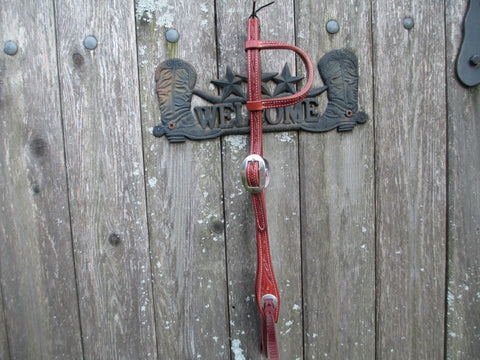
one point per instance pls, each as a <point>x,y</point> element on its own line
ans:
<point>289,100</point>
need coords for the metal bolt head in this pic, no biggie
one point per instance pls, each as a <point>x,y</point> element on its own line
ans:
<point>90,42</point>
<point>10,48</point>
<point>475,60</point>
<point>172,35</point>
<point>408,23</point>
<point>332,27</point>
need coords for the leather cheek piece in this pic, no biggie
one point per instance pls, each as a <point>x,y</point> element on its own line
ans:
<point>258,105</point>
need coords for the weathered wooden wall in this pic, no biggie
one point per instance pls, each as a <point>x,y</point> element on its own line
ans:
<point>115,244</point>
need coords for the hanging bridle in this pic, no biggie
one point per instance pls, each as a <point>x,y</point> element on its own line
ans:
<point>255,175</point>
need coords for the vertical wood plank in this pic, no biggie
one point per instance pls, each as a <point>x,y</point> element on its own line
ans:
<point>463,310</point>
<point>240,235</point>
<point>103,138</point>
<point>282,195</point>
<point>36,259</point>
<point>4,350</point>
<point>410,133</point>
<point>184,190</point>
<point>338,217</point>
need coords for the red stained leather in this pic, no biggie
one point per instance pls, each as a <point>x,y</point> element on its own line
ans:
<point>265,278</point>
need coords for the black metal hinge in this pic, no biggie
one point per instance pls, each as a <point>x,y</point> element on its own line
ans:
<point>468,61</point>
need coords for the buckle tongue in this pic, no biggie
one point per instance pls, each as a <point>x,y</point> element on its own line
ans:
<point>263,173</point>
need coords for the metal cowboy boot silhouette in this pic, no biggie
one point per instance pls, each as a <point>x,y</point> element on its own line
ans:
<point>338,70</point>
<point>176,80</point>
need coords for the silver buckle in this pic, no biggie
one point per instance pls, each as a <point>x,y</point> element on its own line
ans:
<point>269,297</point>
<point>263,173</point>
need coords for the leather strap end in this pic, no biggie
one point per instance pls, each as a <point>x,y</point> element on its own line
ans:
<point>269,344</point>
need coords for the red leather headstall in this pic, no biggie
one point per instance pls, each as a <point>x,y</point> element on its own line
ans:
<point>255,175</point>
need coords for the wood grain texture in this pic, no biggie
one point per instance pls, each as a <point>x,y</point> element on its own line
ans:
<point>101,113</point>
<point>4,350</point>
<point>410,146</point>
<point>240,235</point>
<point>463,308</point>
<point>36,259</point>
<point>282,195</point>
<point>338,218</point>
<point>184,190</point>
<point>115,244</point>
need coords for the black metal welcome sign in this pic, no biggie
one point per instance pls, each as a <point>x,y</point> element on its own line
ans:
<point>227,113</point>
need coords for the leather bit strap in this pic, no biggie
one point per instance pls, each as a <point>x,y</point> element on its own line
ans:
<point>254,176</point>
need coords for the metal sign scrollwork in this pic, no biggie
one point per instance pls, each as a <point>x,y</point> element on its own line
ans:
<point>227,114</point>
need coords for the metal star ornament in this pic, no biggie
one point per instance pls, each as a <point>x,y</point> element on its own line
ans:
<point>230,84</point>
<point>286,82</point>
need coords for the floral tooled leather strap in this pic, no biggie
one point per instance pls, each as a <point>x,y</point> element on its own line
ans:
<point>254,173</point>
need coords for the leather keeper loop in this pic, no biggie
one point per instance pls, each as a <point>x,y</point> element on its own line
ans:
<point>254,105</point>
<point>252,44</point>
